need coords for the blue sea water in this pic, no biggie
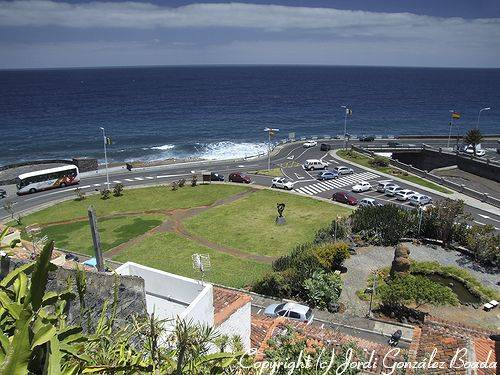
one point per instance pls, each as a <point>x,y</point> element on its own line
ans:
<point>219,112</point>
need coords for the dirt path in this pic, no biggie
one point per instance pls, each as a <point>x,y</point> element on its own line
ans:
<point>174,225</point>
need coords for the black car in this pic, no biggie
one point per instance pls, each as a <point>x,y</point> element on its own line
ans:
<point>3,193</point>
<point>393,144</point>
<point>367,138</point>
<point>214,176</point>
<point>325,147</point>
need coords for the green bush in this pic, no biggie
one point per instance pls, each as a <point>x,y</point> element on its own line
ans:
<point>332,255</point>
<point>386,224</point>
<point>323,289</point>
<point>379,161</point>
<point>338,230</point>
<point>484,242</point>
<point>417,290</point>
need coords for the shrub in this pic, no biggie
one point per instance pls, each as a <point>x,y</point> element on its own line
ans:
<point>118,190</point>
<point>174,185</point>
<point>332,255</point>
<point>194,180</point>
<point>386,224</point>
<point>484,242</point>
<point>182,182</point>
<point>338,230</point>
<point>323,289</point>
<point>105,193</point>
<point>80,194</point>
<point>417,290</point>
<point>274,284</point>
<point>379,161</point>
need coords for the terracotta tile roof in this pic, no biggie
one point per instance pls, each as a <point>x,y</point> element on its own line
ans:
<point>227,302</point>
<point>443,340</point>
<point>265,328</point>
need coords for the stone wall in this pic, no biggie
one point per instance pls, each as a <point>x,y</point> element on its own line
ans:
<point>100,288</point>
<point>86,164</point>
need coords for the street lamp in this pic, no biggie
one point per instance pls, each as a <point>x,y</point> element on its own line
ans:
<point>479,115</point>
<point>105,141</point>
<point>348,111</point>
<point>270,133</point>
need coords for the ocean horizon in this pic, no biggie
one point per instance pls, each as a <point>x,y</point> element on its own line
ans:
<point>219,111</point>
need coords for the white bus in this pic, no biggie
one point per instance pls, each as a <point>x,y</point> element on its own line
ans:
<point>47,179</point>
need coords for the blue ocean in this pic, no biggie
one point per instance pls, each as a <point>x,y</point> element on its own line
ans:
<point>218,112</point>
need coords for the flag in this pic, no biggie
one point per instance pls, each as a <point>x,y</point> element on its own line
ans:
<point>107,140</point>
<point>455,115</point>
<point>348,111</point>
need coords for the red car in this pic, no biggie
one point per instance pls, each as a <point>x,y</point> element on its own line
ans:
<point>240,177</point>
<point>344,197</point>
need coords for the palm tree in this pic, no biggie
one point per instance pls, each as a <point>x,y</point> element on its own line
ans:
<point>473,137</point>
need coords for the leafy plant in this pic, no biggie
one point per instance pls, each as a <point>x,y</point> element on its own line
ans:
<point>105,194</point>
<point>379,161</point>
<point>194,180</point>
<point>338,230</point>
<point>332,255</point>
<point>181,182</point>
<point>174,185</point>
<point>484,242</point>
<point>80,194</point>
<point>323,289</point>
<point>473,137</point>
<point>118,190</point>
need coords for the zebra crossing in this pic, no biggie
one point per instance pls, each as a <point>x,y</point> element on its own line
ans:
<point>338,183</point>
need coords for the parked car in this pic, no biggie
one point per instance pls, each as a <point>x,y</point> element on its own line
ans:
<point>290,310</point>
<point>327,175</point>
<point>282,183</point>
<point>382,185</point>
<point>3,193</point>
<point>369,202</point>
<point>313,164</point>
<point>367,138</point>
<point>420,200</point>
<point>341,170</point>
<point>469,150</point>
<point>240,177</point>
<point>344,197</point>
<point>392,190</point>
<point>361,186</point>
<point>404,195</point>
<point>309,144</point>
<point>214,176</point>
<point>325,147</point>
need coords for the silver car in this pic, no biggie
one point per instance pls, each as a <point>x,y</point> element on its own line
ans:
<point>290,310</point>
<point>341,170</point>
<point>392,190</point>
<point>420,200</point>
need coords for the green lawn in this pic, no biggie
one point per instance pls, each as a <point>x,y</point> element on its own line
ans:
<point>114,231</point>
<point>153,198</point>
<point>249,224</point>
<point>273,172</point>
<point>172,253</point>
<point>364,160</point>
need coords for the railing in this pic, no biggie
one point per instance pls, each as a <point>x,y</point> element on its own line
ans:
<point>483,197</point>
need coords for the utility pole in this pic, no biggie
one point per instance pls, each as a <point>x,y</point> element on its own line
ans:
<point>479,115</point>
<point>105,139</point>
<point>95,239</point>
<point>374,289</point>
<point>270,133</point>
<point>347,112</point>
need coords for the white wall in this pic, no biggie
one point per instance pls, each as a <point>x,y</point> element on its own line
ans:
<point>239,323</point>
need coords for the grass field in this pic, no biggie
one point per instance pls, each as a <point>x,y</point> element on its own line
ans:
<point>135,200</point>
<point>249,224</point>
<point>273,172</point>
<point>363,160</point>
<point>172,253</point>
<point>113,232</point>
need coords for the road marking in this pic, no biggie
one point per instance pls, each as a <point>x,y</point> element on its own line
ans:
<point>298,177</point>
<point>333,161</point>
<point>96,185</point>
<point>340,182</point>
<point>117,181</point>
<point>129,180</point>
<point>149,178</point>
<point>258,312</point>
<point>488,217</point>
<point>138,178</point>
<point>57,192</point>
<point>290,157</point>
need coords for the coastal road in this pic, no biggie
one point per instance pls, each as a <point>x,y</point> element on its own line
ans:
<point>290,156</point>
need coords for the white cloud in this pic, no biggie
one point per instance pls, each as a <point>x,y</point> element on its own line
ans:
<point>271,18</point>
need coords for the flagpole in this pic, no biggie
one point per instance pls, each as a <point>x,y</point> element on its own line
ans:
<point>105,156</point>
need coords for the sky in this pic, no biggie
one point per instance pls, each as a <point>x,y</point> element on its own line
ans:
<point>73,33</point>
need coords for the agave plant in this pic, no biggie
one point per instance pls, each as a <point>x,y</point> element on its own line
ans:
<point>34,337</point>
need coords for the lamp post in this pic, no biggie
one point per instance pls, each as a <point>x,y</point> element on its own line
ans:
<point>270,133</point>
<point>347,112</point>
<point>452,111</point>
<point>105,155</point>
<point>479,115</point>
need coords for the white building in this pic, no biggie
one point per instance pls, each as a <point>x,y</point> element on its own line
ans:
<point>172,296</point>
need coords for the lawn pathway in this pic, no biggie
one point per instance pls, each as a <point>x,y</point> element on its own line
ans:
<point>174,225</point>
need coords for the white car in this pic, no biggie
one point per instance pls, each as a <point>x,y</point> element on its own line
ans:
<point>290,310</point>
<point>361,186</point>
<point>404,195</point>
<point>469,150</point>
<point>341,170</point>
<point>282,183</point>
<point>392,190</point>
<point>309,144</point>
<point>420,200</point>
<point>315,164</point>
<point>382,185</point>
<point>369,202</point>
